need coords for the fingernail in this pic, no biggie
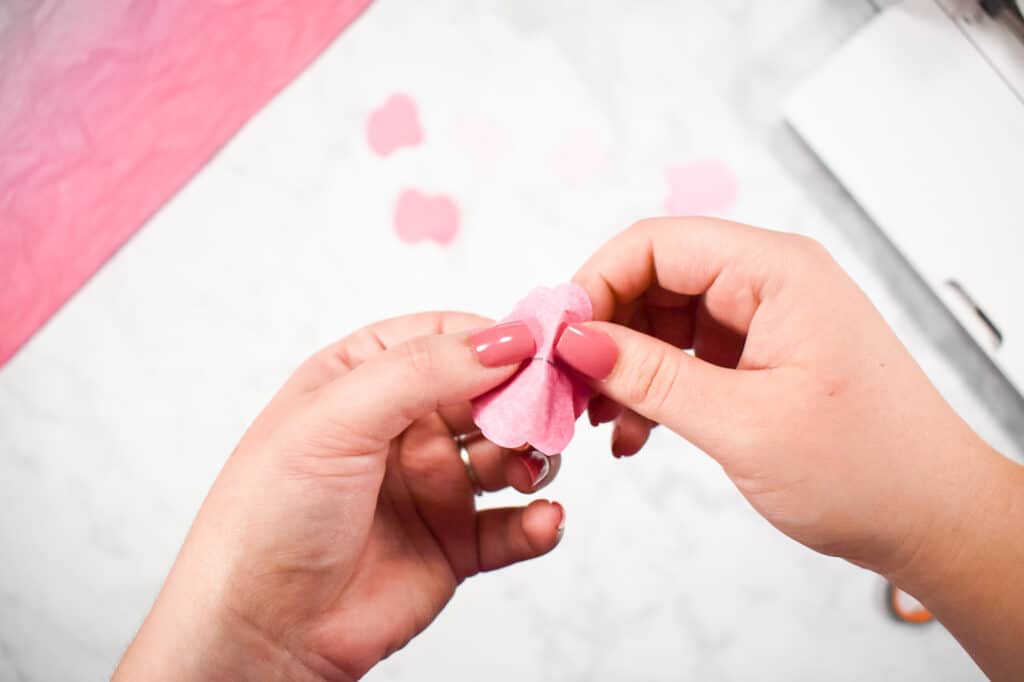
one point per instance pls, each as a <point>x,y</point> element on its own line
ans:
<point>561,523</point>
<point>537,466</point>
<point>587,350</point>
<point>616,448</point>
<point>601,411</point>
<point>503,344</point>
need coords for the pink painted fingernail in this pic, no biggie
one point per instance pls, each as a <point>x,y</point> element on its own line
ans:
<point>587,350</point>
<point>537,466</point>
<point>503,344</point>
<point>561,523</point>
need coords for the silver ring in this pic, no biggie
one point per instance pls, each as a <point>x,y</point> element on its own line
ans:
<point>474,480</point>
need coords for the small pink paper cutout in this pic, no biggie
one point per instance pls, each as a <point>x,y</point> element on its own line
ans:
<point>700,188</point>
<point>418,217</point>
<point>393,125</point>
<point>540,403</point>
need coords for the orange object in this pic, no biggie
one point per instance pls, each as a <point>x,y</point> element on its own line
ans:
<point>912,612</point>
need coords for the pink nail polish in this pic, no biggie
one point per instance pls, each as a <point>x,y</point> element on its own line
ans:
<point>561,522</point>
<point>587,350</point>
<point>537,466</point>
<point>503,344</point>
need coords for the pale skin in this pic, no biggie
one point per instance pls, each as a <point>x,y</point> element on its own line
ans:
<point>817,413</point>
<point>344,520</point>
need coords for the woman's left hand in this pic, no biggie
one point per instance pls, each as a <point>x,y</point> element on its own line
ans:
<point>344,520</point>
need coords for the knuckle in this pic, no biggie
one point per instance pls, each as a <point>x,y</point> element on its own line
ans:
<point>653,381</point>
<point>808,247</point>
<point>419,354</point>
<point>652,228</point>
<point>340,358</point>
<point>647,225</point>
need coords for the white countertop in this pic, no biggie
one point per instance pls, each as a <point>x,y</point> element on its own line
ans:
<point>116,417</point>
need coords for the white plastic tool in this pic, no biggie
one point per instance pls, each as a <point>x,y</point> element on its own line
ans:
<point>921,116</point>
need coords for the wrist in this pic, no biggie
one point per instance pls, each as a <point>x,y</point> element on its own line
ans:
<point>961,512</point>
<point>966,570</point>
<point>190,634</point>
<point>208,650</point>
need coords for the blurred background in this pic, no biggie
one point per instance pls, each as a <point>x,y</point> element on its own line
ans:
<point>442,155</point>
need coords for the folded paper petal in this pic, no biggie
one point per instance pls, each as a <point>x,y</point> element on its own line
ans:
<point>540,403</point>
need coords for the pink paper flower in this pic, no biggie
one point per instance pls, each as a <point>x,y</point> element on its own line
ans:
<point>540,403</point>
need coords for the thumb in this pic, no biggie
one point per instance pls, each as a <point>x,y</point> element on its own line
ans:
<point>704,403</point>
<point>381,397</point>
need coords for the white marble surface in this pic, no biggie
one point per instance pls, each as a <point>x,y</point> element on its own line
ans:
<point>116,417</point>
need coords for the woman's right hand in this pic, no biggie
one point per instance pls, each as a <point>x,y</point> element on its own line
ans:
<point>810,403</point>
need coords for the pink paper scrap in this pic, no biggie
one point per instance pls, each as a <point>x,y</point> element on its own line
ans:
<point>108,108</point>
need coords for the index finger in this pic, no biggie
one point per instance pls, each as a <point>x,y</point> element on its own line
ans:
<point>728,263</point>
<point>344,355</point>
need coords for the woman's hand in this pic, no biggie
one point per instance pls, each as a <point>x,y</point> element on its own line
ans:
<point>814,409</point>
<point>798,388</point>
<point>344,520</point>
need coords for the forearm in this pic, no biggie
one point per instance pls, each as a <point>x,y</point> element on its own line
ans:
<point>968,571</point>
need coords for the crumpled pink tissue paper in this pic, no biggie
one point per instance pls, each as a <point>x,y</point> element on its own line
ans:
<point>540,403</point>
<point>108,107</point>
